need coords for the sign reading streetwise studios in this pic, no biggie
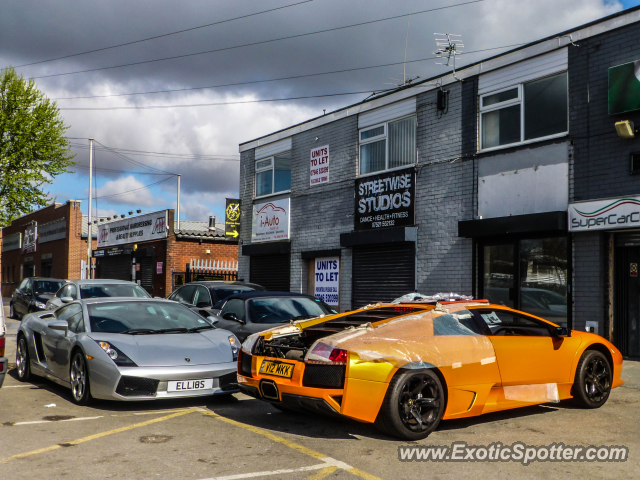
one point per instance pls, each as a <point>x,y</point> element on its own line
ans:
<point>152,226</point>
<point>232,218</point>
<point>386,200</point>
<point>604,214</point>
<point>270,221</point>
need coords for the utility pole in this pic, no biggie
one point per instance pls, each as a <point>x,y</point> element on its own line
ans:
<point>89,224</point>
<point>178,207</point>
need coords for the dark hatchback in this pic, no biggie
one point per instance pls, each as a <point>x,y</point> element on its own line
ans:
<point>253,312</point>
<point>210,294</point>
<point>32,295</point>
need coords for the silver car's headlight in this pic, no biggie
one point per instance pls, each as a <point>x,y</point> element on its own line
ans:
<point>40,305</point>
<point>235,347</point>
<point>116,355</point>
<point>248,344</point>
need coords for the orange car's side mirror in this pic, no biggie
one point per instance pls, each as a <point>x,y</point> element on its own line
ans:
<point>560,332</point>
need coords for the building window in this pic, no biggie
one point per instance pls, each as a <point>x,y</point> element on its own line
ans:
<point>273,175</point>
<point>386,146</point>
<point>530,111</point>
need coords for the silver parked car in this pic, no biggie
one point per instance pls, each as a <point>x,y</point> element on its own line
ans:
<point>128,349</point>
<point>82,289</point>
<point>3,339</point>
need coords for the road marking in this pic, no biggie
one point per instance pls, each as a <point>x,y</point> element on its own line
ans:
<point>20,386</point>
<point>272,472</point>
<point>56,421</point>
<point>328,461</point>
<point>94,437</point>
<point>325,472</point>
<point>191,409</point>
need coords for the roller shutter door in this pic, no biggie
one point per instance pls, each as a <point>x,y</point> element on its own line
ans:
<point>114,268</point>
<point>382,273</point>
<point>146,273</point>
<point>271,271</point>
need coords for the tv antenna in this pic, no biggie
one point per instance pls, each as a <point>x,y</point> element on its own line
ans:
<point>448,50</point>
<point>405,80</point>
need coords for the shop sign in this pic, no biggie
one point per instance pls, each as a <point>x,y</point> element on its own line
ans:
<point>30,236</point>
<point>52,231</point>
<point>152,226</point>
<point>604,214</point>
<point>319,167</point>
<point>327,280</point>
<point>232,218</point>
<point>159,268</point>
<point>624,88</point>
<point>12,242</point>
<point>270,221</point>
<point>633,269</point>
<point>385,200</point>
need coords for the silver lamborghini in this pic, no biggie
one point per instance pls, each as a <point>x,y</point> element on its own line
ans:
<point>128,349</point>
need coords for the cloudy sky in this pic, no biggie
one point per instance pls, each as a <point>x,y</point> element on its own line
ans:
<point>201,142</point>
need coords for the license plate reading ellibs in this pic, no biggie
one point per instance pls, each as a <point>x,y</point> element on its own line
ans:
<point>190,385</point>
<point>277,369</point>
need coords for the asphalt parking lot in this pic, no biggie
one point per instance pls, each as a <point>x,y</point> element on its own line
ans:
<point>239,437</point>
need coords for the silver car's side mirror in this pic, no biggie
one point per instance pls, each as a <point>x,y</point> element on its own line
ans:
<point>66,299</point>
<point>60,325</point>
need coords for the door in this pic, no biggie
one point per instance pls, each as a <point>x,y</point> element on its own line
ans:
<point>498,278</point>
<point>273,272</point>
<point>57,345</point>
<point>627,293</point>
<point>525,350</point>
<point>382,273</point>
<point>117,267</point>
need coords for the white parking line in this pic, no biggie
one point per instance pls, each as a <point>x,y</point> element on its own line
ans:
<point>272,472</point>
<point>56,421</point>
<point>20,386</point>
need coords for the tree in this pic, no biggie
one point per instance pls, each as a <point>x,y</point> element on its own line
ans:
<point>33,149</point>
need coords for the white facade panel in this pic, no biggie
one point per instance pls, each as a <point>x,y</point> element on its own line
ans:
<point>540,66</point>
<point>520,192</point>
<point>388,112</point>
<point>274,148</point>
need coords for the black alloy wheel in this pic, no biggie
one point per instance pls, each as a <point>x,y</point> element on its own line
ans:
<point>592,384</point>
<point>413,406</point>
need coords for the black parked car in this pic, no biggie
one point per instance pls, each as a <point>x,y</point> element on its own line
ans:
<point>32,295</point>
<point>210,294</point>
<point>252,312</point>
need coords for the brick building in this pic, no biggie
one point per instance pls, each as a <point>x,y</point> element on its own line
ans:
<point>472,183</point>
<point>52,242</point>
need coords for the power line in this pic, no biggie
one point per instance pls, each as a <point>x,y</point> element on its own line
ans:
<point>258,43</point>
<point>281,78</point>
<point>134,162</point>
<point>85,167</point>
<point>161,154</point>
<point>161,36</point>
<point>134,190</point>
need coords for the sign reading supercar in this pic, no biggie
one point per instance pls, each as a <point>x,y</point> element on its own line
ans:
<point>604,214</point>
<point>386,200</point>
<point>135,229</point>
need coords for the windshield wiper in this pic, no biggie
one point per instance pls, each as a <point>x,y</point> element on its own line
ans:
<point>174,330</point>
<point>139,331</point>
<point>203,327</point>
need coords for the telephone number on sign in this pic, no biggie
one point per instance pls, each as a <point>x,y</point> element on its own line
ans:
<point>388,223</point>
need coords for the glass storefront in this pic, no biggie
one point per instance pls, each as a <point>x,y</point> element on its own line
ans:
<point>528,275</point>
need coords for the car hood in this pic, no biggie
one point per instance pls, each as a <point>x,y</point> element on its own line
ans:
<point>169,350</point>
<point>43,297</point>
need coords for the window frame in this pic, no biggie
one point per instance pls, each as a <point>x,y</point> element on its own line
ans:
<point>207,292</point>
<point>484,327</point>
<point>272,167</point>
<point>516,101</point>
<point>385,137</point>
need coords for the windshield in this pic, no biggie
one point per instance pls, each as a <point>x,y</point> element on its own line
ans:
<point>224,292</point>
<point>283,309</point>
<point>114,290</point>
<point>119,317</point>
<point>46,286</point>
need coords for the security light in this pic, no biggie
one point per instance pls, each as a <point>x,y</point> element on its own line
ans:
<point>625,129</point>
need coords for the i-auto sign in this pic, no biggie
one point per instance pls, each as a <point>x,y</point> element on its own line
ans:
<point>386,200</point>
<point>135,229</point>
<point>604,214</point>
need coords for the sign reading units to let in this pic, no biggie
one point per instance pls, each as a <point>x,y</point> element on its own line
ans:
<point>12,242</point>
<point>327,281</point>
<point>624,88</point>
<point>270,221</point>
<point>52,231</point>
<point>152,226</point>
<point>604,214</point>
<point>319,166</point>
<point>232,218</point>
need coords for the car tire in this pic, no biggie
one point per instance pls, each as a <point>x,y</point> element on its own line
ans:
<point>23,360</point>
<point>592,384</point>
<point>13,313</point>
<point>79,379</point>
<point>413,405</point>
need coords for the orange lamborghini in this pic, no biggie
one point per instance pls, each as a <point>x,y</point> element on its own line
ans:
<point>405,367</point>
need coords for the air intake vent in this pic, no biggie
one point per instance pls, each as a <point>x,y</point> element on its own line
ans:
<point>324,376</point>
<point>137,387</point>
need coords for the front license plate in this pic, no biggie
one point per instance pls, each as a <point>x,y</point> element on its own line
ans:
<point>190,385</point>
<point>277,369</point>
